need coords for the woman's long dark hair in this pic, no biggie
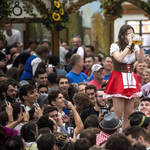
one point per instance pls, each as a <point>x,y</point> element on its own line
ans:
<point>28,132</point>
<point>121,37</point>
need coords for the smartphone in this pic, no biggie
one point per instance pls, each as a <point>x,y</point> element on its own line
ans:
<point>50,66</point>
<point>23,108</point>
<point>70,132</point>
<point>104,111</point>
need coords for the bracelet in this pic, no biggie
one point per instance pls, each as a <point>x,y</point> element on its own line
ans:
<point>128,47</point>
<point>18,121</point>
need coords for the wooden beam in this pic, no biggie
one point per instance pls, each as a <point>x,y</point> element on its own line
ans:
<point>110,23</point>
<point>132,9</point>
<point>55,42</point>
<point>22,20</point>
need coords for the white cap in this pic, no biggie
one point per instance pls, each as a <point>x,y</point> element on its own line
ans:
<point>96,67</point>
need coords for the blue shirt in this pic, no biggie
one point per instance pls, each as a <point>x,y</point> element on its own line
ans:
<point>105,77</point>
<point>60,71</point>
<point>77,78</point>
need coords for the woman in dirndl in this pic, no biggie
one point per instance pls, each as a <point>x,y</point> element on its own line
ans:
<point>123,85</point>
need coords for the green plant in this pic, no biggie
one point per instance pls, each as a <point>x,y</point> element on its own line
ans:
<point>5,13</point>
<point>56,18</point>
<point>112,7</point>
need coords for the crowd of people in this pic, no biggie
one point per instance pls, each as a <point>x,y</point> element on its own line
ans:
<point>77,101</point>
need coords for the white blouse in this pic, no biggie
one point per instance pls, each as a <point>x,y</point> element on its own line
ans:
<point>34,64</point>
<point>129,58</point>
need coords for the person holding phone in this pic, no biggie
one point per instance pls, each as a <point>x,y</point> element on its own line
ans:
<point>123,85</point>
<point>28,95</point>
<point>99,109</point>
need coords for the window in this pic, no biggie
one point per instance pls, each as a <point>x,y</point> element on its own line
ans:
<point>142,27</point>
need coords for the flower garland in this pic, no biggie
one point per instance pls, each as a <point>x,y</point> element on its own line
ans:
<point>112,7</point>
<point>56,18</point>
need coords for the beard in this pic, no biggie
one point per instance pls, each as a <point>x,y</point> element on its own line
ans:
<point>98,103</point>
<point>10,98</point>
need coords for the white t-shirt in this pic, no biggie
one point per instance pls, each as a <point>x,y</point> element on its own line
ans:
<point>80,51</point>
<point>16,37</point>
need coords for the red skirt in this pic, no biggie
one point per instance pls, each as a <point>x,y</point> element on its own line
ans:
<point>115,87</point>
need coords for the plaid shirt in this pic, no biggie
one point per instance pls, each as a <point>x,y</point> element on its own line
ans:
<point>101,138</point>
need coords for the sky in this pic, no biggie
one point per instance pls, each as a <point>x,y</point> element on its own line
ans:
<point>88,11</point>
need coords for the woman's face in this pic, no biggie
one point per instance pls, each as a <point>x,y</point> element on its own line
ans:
<point>44,55</point>
<point>146,77</point>
<point>126,35</point>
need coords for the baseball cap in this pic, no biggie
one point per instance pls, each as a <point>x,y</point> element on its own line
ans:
<point>96,67</point>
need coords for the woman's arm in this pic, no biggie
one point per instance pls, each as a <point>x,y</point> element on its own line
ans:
<point>120,56</point>
<point>140,53</point>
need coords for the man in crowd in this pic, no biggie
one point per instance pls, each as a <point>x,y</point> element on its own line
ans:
<point>144,105</point>
<point>21,60</point>
<point>42,88</point>
<point>75,75</point>
<point>52,85</point>
<point>65,45</point>
<point>110,125</point>
<point>81,87</point>
<point>15,143</point>
<point>97,58</point>
<point>139,68</point>
<point>3,77</point>
<point>89,62</point>
<point>63,83</point>
<point>54,60</point>
<point>76,46</point>
<point>51,111</point>
<point>139,119</point>
<point>57,99</point>
<point>7,91</point>
<point>91,91</point>
<point>28,95</point>
<point>47,43</point>
<point>12,35</point>
<point>33,45</point>
<point>99,102</point>
<point>68,66</point>
<point>137,135</point>
<point>18,45</point>
<point>40,77</point>
<point>107,64</point>
<point>98,72</point>
<point>89,50</point>
<point>46,141</point>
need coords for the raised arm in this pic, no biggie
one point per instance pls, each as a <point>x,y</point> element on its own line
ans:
<point>78,121</point>
<point>140,54</point>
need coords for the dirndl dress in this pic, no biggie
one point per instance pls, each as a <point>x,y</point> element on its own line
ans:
<point>123,82</point>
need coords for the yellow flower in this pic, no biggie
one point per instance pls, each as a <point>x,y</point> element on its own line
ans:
<point>56,16</point>
<point>57,4</point>
<point>105,10</point>
<point>61,11</point>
